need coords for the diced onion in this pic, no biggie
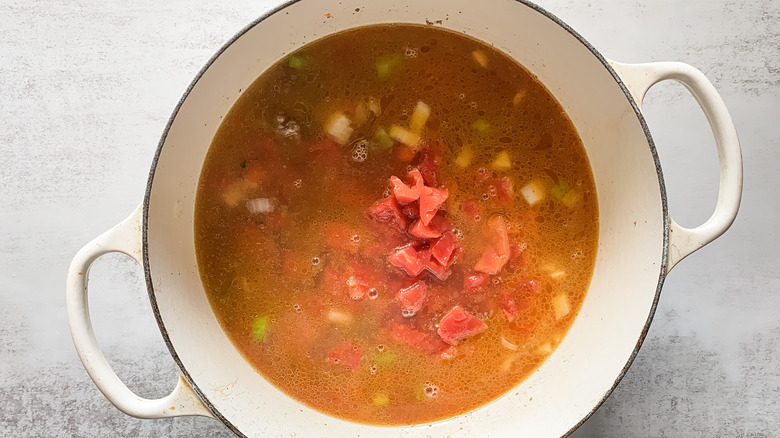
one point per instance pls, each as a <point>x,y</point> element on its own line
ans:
<point>419,117</point>
<point>506,365</point>
<point>533,192</point>
<point>464,157</point>
<point>480,57</point>
<point>339,127</point>
<point>545,348</point>
<point>502,161</point>
<point>519,97</point>
<point>380,399</point>
<point>260,205</point>
<point>508,344</point>
<point>570,198</point>
<point>560,305</point>
<point>404,136</point>
<point>237,190</point>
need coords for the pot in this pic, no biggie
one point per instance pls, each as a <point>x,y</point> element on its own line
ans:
<point>639,242</point>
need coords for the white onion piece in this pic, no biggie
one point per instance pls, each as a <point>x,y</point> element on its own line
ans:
<point>339,127</point>
<point>508,344</point>
<point>419,117</point>
<point>533,192</point>
<point>260,205</point>
<point>561,306</point>
<point>404,136</point>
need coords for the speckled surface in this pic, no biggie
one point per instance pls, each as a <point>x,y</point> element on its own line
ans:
<point>87,86</point>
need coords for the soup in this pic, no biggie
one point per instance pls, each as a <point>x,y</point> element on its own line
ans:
<point>396,224</point>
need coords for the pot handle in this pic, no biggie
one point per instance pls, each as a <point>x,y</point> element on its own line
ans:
<point>124,238</point>
<point>639,78</point>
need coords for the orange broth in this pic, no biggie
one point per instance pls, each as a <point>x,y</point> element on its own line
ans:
<point>296,259</point>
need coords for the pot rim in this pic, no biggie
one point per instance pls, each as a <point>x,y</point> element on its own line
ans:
<point>288,3</point>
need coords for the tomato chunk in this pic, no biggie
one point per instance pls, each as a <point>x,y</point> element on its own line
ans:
<point>387,211</point>
<point>431,199</point>
<point>475,280</point>
<point>459,324</point>
<point>411,211</point>
<point>346,353</point>
<point>418,229</point>
<point>358,287</point>
<point>432,265</point>
<point>407,259</point>
<point>417,178</point>
<point>413,297</point>
<point>423,341</point>
<point>444,248</point>
<point>509,306</point>
<point>430,158</point>
<point>403,193</point>
<point>498,251</point>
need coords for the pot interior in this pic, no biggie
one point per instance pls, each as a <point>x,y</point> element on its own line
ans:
<point>631,252</point>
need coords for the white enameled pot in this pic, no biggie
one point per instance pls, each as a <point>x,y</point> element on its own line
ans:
<point>639,242</point>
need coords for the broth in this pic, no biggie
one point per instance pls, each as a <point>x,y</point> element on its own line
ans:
<point>371,299</point>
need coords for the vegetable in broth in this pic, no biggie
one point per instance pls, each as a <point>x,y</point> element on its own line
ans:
<point>396,224</point>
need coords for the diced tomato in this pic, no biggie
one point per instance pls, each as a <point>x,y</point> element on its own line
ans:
<point>497,253</point>
<point>438,225</point>
<point>498,234</point>
<point>475,280</point>
<point>407,259</point>
<point>459,324</point>
<point>387,211</point>
<point>505,189</point>
<point>357,286</point>
<point>431,199</point>
<point>490,262</point>
<point>509,306</point>
<point>417,178</point>
<point>430,159</point>
<point>411,211</point>
<point>443,249</point>
<point>341,237</point>
<point>516,259</point>
<point>432,265</point>
<point>412,297</point>
<point>472,209</point>
<point>405,153</point>
<point>404,194</point>
<point>418,229</point>
<point>254,171</point>
<point>530,286</point>
<point>382,241</point>
<point>346,353</point>
<point>423,341</point>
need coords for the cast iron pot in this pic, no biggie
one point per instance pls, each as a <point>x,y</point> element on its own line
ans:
<point>638,245</point>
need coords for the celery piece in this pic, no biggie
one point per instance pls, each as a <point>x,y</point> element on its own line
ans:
<point>481,126</point>
<point>297,62</point>
<point>382,138</point>
<point>560,190</point>
<point>259,328</point>
<point>385,66</point>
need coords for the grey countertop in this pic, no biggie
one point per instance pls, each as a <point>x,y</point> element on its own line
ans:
<point>87,86</point>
